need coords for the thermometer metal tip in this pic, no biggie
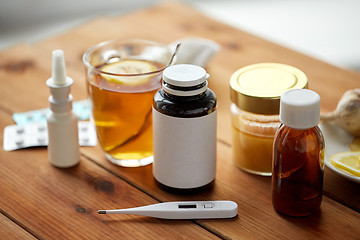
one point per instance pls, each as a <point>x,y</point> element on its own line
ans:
<point>102,212</point>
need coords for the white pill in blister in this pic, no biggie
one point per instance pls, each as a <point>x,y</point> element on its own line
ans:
<point>41,128</point>
<point>35,134</point>
<point>29,116</point>
<point>41,139</point>
<point>83,128</point>
<point>20,130</point>
<point>19,141</point>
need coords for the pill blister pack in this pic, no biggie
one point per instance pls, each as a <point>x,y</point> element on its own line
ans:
<point>80,108</point>
<point>35,135</point>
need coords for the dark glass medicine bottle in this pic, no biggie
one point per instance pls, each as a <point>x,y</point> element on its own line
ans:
<point>184,130</point>
<point>298,156</point>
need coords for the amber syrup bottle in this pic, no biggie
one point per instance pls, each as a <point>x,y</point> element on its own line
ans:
<point>298,156</point>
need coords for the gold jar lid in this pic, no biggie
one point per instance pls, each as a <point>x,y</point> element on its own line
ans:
<point>257,88</point>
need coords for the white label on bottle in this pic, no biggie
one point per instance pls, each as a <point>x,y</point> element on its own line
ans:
<point>184,150</point>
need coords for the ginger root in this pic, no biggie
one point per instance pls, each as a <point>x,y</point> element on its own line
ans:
<point>347,112</point>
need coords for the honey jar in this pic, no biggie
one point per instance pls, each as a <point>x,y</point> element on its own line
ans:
<point>255,92</point>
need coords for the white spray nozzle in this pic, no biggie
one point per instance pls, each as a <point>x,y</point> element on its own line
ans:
<point>58,67</point>
<point>59,84</point>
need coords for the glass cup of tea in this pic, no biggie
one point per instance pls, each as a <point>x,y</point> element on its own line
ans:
<point>122,78</point>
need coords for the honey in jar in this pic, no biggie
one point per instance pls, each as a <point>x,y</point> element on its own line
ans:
<point>255,94</point>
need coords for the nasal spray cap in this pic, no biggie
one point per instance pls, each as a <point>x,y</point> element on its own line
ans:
<point>59,84</point>
<point>62,123</point>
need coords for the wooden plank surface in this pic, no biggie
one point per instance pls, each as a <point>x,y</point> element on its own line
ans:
<point>52,201</point>
<point>57,202</point>
<point>11,230</point>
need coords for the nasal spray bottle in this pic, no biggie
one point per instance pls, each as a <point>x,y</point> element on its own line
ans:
<point>62,123</point>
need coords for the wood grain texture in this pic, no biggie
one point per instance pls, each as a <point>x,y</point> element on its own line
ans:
<point>63,202</point>
<point>253,196</point>
<point>10,230</point>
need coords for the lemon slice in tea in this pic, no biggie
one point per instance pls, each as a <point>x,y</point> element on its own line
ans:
<point>128,66</point>
<point>348,161</point>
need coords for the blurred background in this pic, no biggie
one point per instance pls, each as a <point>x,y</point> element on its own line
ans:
<point>328,30</point>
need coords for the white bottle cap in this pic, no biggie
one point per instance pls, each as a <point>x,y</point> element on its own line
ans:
<point>186,76</point>
<point>300,108</point>
<point>58,67</point>
<point>59,83</point>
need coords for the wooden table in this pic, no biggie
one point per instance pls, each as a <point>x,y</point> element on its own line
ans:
<point>41,201</point>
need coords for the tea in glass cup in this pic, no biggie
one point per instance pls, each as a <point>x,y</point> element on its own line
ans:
<point>122,78</point>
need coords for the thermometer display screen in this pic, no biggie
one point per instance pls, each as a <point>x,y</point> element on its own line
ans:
<point>187,205</point>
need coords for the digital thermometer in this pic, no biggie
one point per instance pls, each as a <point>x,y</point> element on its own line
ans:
<point>182,210</point>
